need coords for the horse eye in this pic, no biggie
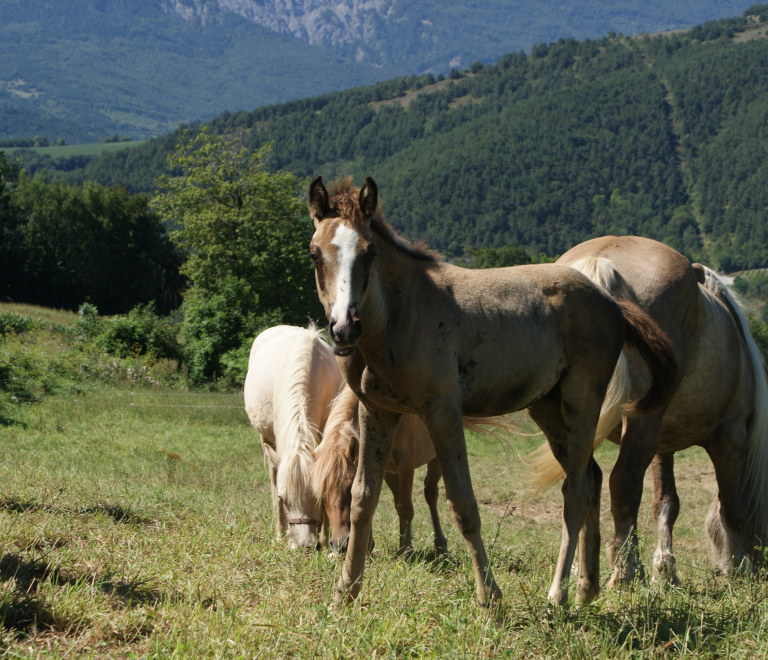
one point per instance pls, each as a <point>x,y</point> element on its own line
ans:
<point>370,251</point>
<point>313,257</point>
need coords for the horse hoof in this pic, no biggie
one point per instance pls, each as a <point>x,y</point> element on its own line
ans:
<point>586,594</point>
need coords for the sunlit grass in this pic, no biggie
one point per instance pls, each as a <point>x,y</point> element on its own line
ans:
<point>147,531</point>
<point>60,316</point>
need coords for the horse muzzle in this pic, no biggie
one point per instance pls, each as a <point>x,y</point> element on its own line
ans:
<point>340,545</point>
<point>346,332</point>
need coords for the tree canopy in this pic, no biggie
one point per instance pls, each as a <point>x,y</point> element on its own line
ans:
<point>245,233</point>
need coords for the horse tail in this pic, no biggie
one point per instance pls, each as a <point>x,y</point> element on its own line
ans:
<point>545,470</point>
<point>646,337</point>
<point>331,456</point>
<point>643,335</point>
<point>756,482</point>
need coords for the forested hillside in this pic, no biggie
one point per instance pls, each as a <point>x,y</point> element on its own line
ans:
<point>663,137</point>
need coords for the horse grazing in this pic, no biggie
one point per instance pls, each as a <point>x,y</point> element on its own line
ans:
<point>413,335</point>
<point>336,466</point>
<point>292,379</point>
<point>720,403</point>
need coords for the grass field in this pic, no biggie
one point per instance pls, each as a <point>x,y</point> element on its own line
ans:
<point>139,531</point>
<point>94,149</point>
<point>60,316</point>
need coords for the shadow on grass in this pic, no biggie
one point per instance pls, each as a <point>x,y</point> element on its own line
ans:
<point>439,563</point>
<point>668,620</point>
<point>21,609</point>
<point>118,512</point>
<point>8,421</point>
<point>132,592</point>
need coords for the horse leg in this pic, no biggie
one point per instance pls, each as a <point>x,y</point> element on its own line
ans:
<point>394,482</point>
<point>405,509</point>
<point>639,444</point>
<point>666,507</point>
<point>726,523</point>
<point>377,432</point>
<point>445,427</point>
<point>281,524</point>
<point>564,416</point>
<point>325,525</point>
<point>431,491</point>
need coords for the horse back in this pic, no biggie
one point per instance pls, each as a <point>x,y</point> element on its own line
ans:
<point>508,334</point>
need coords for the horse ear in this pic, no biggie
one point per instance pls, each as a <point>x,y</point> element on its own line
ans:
<point>274,459</point>
<point>369,197</point>
<point>318,200</point>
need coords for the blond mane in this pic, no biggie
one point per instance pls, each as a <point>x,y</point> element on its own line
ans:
<point>292,425</point>
<point>331,455</point>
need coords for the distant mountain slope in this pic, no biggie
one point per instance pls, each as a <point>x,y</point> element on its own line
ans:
<point>432,35</point>
<point>661,137</point>
<point>82,69</point>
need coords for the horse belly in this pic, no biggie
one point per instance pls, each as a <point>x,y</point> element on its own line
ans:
<point>712,379</point>
<point>511,385</point>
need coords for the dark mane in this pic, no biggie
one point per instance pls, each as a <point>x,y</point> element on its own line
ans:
<point>344,202</point>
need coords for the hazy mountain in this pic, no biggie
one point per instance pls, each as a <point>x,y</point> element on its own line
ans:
<point>83,69</point>
<point>430,35</point>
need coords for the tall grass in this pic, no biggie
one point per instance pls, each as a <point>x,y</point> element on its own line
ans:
<point>130,531</point>
<point>59,316</point>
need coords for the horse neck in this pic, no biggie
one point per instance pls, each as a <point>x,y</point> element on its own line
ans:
<point>296,436</point>
<point>394,272</point>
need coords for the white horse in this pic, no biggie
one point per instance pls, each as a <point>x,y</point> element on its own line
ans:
<point>292,380</point>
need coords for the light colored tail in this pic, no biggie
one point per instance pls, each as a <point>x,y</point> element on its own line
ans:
<point>501,428</point>
<point>756,482</point>
<point>545,470</point>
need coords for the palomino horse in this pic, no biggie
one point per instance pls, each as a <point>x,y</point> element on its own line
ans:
<point>292,379</point>
<point>720,402</point>
<point>336,466</point>
<point>413,335</point>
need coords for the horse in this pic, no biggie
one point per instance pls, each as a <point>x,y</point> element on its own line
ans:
<point>292,379</point>
<point>336,465</point>
<point>413,335</point>
<point>720,403</point>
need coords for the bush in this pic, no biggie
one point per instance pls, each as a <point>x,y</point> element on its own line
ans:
<point>87,324</point>
<point>219,328</point>
<point>140,332</point>
<point>13,324</point>
<point>509,255</point>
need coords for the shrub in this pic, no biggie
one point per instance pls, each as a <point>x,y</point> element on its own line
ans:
<point>14,324</point>
<point>219,328</point>
<point>140,332</point>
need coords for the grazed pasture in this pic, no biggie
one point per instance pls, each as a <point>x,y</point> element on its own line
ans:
<point>146,532</point>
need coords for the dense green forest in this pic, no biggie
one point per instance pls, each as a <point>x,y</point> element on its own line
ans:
<point>64,245</point>
<point>663,137</point>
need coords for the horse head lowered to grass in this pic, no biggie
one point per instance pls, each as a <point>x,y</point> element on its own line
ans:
<point>413,335</point>
<point>292,379</point>
<point>336,466</point>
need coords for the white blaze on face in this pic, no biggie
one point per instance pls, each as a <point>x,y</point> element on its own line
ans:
<point>346,240</point>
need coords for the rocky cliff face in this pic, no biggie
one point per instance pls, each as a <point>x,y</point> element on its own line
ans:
<point>353,27</point>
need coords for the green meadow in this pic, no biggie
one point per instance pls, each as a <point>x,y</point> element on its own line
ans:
<point>135,522</point>
<point>145,530</point>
